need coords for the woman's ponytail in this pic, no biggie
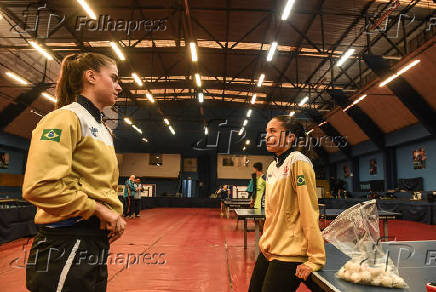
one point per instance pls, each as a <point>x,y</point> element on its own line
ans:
<point>70,83</point>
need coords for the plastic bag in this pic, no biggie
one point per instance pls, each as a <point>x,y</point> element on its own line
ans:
<point>355,232</point>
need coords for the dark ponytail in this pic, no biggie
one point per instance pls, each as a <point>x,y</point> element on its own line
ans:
<point>302,142</point>
<point>70,83</point>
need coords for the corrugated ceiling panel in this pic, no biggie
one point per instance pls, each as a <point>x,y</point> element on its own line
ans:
<point>327,144</point>
<point>347,127</point>
<point>386,110</point>
<point>422,76</point>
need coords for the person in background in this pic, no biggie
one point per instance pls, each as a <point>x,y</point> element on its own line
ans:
<point>223,193</point>
<point>291,245</point>
<point>129,193</point>
<point>72,178</point>
<point>137,197</point>
<point>258,181</point>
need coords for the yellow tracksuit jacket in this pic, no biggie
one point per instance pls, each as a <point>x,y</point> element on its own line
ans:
<point>291,231</point>
<point>71,165</point>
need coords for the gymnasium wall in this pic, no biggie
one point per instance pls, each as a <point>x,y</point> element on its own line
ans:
<point>240,169</point>
<point>364,167</point>
<point>138,164</point>
<point>340,174</point>
<point>17,148</point>
<point>405,163</point>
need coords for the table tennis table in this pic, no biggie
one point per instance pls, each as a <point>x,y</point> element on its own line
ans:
<point>331,214</point>
<point>416,262</point>
<point>259,214</point>
<point>235,204</point>
<point>253,214</point>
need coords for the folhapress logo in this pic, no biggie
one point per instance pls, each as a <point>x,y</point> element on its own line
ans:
<point>105,23</point>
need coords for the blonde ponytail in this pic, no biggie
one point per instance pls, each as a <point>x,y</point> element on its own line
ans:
<point>70,83</point>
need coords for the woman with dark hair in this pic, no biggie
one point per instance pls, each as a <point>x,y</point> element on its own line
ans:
<point>72,178</point>
<point>291,245</point>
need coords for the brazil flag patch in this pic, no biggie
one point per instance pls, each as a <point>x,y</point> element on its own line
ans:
<point>301,181</point>
<point>51,135</point>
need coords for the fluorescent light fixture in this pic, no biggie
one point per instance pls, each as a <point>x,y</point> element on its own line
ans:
<point>247,142</point>
<point>322,124</point>
<point>359,99</point>
<point>149,97</point>
<point>206,131</point>
<point>260,81</point>
<point>271,51</point>
<point>245,123</point>
<point>287,9</point>
<point>291,114</point>
<point>354,103</point>
<point>166,121</point>
<point>401,71</point>
<point>243,148</point>
<point>49,97</point>
<point>145,140</point>
<point>198,79</point>
<point>303,101</point>
<point>88,9</point>
<point>344,57</point>
<point>172,130</point>
<point>117,51</point>
<point>241,131</point>
<point>194,55</point>
<point>17,78</point>
<point>127,121</point>
<point>137,79</point>
<point>42,51</point>
<point>253,99</point>
<point>34,111</point>
<point>200,97</point>
<point>137,129</point>
<point>249,113</point>
<point>309,132</point>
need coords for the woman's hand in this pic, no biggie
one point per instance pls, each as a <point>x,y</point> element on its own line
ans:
<point>110,221</point>
<point>303,271</point>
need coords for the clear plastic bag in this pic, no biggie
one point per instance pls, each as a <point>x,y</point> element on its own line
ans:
<point>355,232</point>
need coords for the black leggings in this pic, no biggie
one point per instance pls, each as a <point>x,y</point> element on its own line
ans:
<point>277,276</point>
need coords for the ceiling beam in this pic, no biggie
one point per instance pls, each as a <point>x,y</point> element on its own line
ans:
<point>408,95</point>
<point>364,122</point>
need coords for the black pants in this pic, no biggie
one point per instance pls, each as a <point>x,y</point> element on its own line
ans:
<point>69,259</point>
<point>128,206</point>
<point>277,276</point>
<point>137,203</point>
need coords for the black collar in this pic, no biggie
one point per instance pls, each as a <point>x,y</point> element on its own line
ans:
<point>281,158</point>
<point>90,107</point>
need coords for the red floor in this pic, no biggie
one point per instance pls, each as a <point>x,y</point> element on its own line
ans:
<point>202,252</point>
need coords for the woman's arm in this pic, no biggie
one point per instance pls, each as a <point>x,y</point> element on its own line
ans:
<point>304,182</point>
<point>47,182</point>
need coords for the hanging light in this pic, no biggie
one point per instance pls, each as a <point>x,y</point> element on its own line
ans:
<point>194,55</point>
<point>200,97</point>
<point>49,97</point>
<point>127,121</point>
<point>303,101</point>
<point>287,9</point>
<point>42,51</point>
<point>87,9</point>
<point>345,57</point>
<point>260,81</point>
<point>253,99</point>
<point>149,97</point>
<point>17,78</point>
<point>118,51</point>
<point>137,79</point>
<point>271,51</point>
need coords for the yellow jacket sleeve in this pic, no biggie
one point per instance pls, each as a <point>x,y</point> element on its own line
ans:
<point>305,184</point>
<point>48,182</point>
